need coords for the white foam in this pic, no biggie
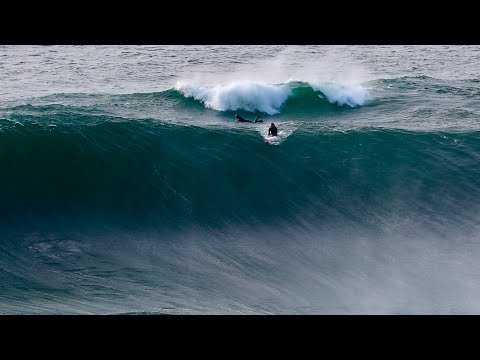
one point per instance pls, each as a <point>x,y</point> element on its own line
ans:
<point>275,140</point>
<point>244,95</point>
<point>341,94</point>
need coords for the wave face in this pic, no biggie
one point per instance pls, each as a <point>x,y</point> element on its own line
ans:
<point>129,187</point>
<point>141,195</point>
<point>144,171</point>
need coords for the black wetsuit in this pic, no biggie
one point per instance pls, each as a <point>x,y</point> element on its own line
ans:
<point>240,119</point>
<point>272,131</point>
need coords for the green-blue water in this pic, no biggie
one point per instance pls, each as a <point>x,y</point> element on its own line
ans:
<point>124,190</point>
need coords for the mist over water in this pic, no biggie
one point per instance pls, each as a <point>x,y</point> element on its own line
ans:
<point>126,186</point>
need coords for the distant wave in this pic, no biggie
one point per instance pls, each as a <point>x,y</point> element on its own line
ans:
<point>270,98</point>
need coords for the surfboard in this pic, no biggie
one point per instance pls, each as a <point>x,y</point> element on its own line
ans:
<point>271,139</point>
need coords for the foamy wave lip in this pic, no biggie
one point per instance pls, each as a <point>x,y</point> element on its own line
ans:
<point>351,95</point>
<point>249,96</point>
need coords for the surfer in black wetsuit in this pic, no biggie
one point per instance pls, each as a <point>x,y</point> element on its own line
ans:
<point>240,119</point>
<point>273,130</point>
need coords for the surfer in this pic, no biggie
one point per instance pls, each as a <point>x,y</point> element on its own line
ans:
<point>272,131</point>
<point>240,119</point>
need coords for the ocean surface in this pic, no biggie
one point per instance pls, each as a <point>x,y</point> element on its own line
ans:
<point>126,186</point>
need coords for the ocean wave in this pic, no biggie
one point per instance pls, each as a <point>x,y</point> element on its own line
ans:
<point>270,98</point>
<point>143,171</point>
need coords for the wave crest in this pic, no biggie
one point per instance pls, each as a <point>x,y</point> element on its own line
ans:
<point>351,95</point>
<point>269,98</point>
<point>249,96</point>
